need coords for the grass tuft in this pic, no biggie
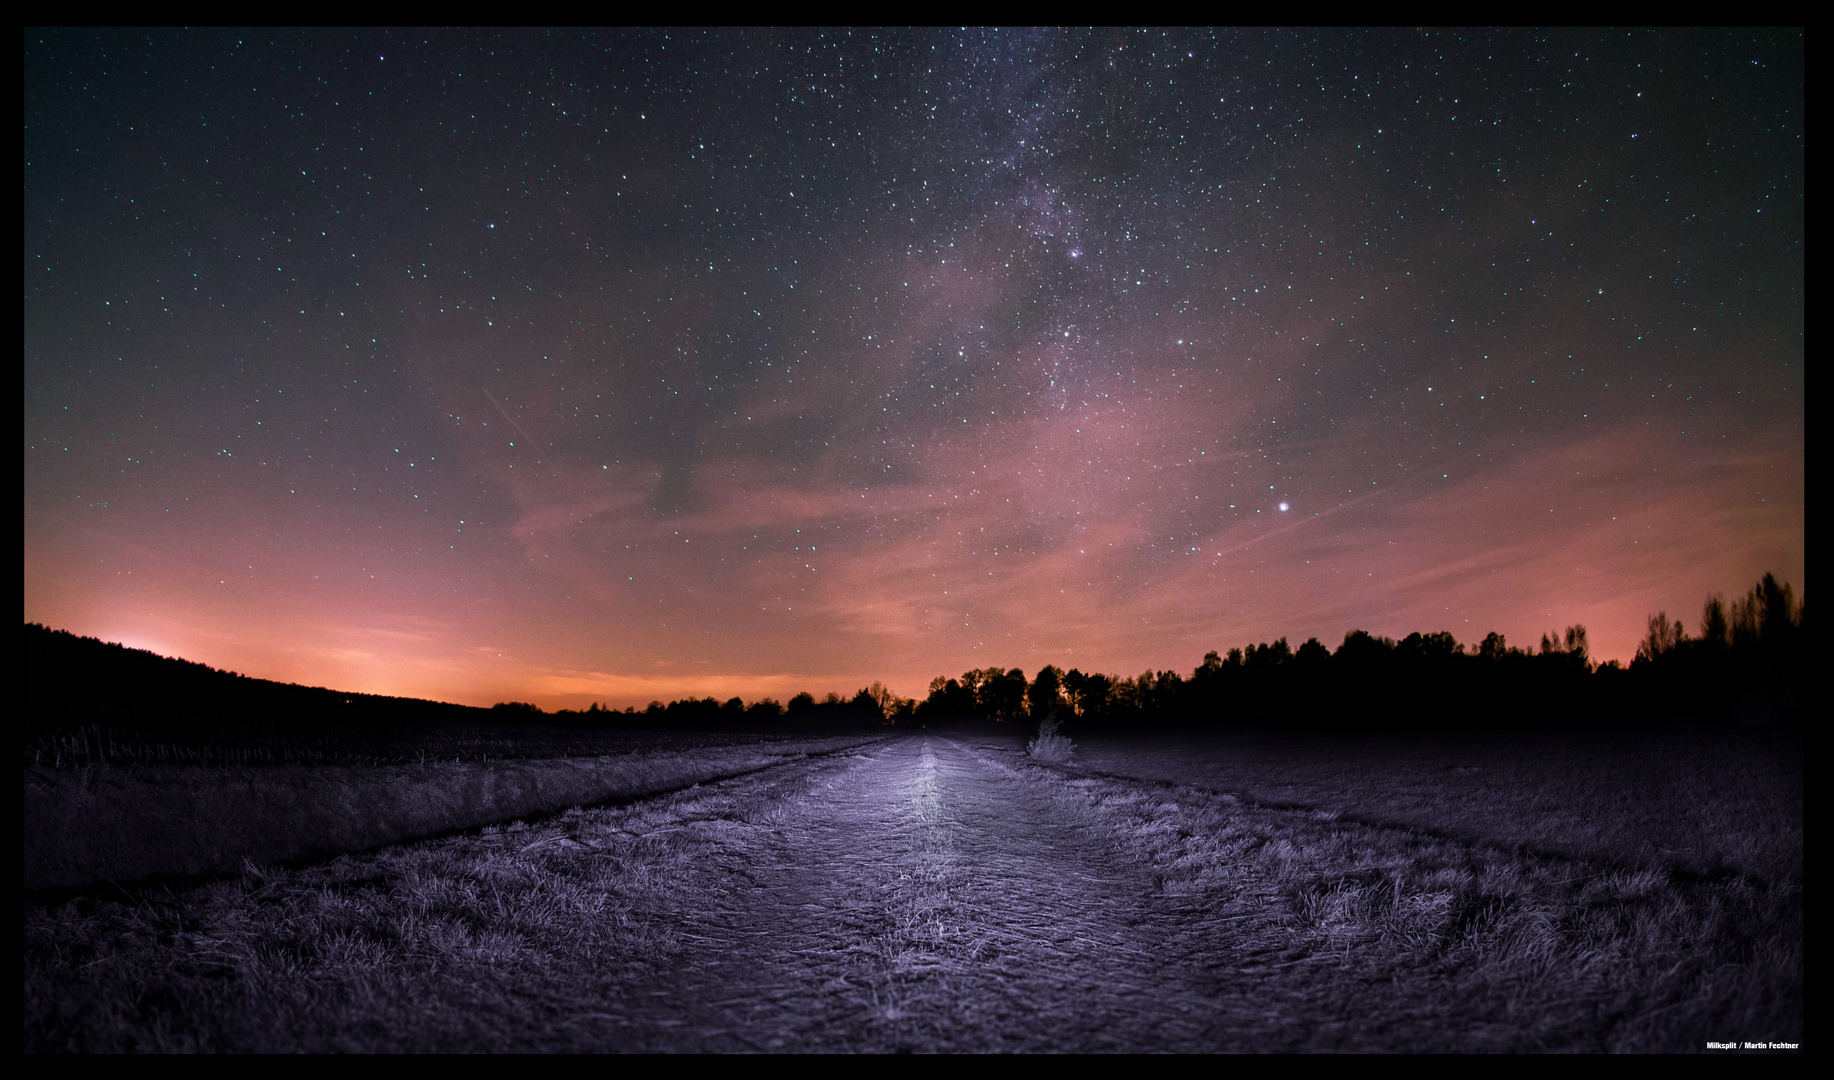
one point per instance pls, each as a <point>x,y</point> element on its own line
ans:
<point>1050,746</point>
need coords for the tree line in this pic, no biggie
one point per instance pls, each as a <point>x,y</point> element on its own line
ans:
<point>1753,643</point>
<point>1745,657</point>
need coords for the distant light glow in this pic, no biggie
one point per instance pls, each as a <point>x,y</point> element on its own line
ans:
<point>876,430</point>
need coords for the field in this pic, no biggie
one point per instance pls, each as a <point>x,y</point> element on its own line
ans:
<point>235,742</point>
<point>937,893</point>
<point>112,823</point>
<point>1698,800</point>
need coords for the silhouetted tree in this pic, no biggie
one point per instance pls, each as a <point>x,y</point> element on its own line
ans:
<point>1267,657</point>
<point>1312,658</point>
<point>1715,627</point>
<point>1045,693</point>
<point>1767,612</point>
<point>1569,652</point>
<point>1663,637</point>
<point>971,681</point>
<point>1576,644</point>
<point>948,700</point>
<point>1157,692</point>
<point>1089,694</point>
<point>1363,651</point>
<point>1002,694</point>
<point>1437,648</point>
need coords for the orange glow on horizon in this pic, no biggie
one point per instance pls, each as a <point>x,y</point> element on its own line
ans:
<point>1465,557</point>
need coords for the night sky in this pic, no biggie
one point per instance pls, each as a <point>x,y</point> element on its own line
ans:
<point>572,367</point>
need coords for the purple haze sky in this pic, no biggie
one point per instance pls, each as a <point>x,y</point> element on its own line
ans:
<point>574,367</point>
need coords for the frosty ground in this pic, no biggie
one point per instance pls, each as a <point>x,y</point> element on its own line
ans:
<point>928,893</point>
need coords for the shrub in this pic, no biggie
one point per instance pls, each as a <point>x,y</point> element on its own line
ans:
<point>1050,746</point>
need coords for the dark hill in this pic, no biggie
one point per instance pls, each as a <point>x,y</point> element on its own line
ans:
<point>84,680</point>
<point>90,701</point>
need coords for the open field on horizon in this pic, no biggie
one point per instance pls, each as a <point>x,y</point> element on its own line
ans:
<point>85,826</point>
<point>132,745</point>
<point>1698,799</point>
<point>934,892</point>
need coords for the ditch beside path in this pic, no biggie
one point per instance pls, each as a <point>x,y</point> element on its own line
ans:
<point>931,897</point>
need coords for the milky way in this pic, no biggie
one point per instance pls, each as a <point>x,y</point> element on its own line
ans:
<point>581,367</point>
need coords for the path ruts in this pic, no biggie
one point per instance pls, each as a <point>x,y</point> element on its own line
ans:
<point>931,898</point>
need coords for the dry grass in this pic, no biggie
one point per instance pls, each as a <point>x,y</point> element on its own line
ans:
<point>492,941</point>
<point>1514,952</point>
<point>108,824</point>
<point>966,899</point>
<point>264,745</point>
<point>1699,801</point>
<point>1050,746</point>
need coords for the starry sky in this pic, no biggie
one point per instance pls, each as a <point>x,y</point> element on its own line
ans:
<point>573,366</point>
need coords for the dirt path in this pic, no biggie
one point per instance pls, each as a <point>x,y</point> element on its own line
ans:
<point>925,894</point>
<point>930,898</point>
